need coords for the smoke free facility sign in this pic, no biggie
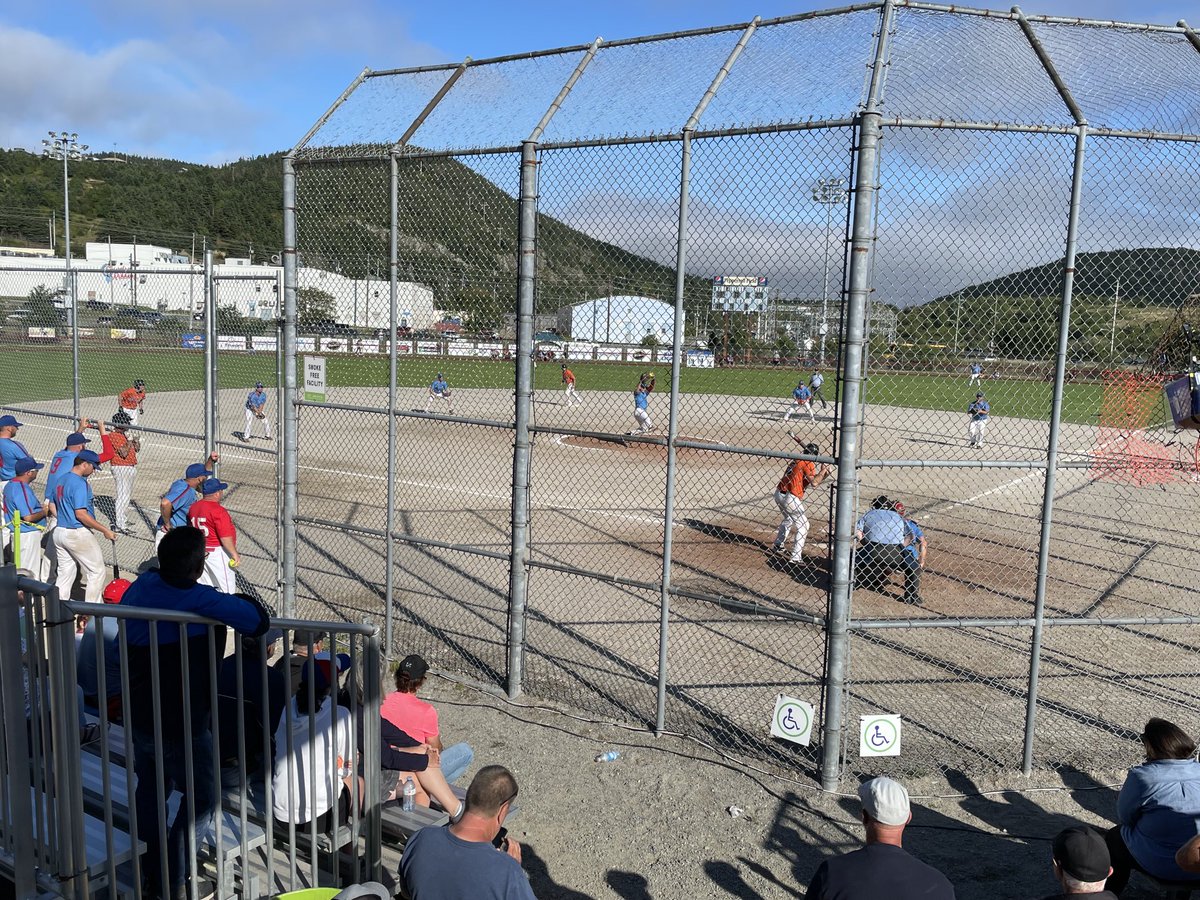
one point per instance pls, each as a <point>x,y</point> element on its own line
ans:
<point>314,379</point>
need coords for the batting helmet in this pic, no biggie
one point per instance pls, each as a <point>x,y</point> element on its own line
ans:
<point>812,449</point>
<point>898,506</point>
<point>139,383</point>
<point>115,590</point>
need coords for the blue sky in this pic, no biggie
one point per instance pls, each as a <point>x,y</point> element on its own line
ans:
<point>212,81</point>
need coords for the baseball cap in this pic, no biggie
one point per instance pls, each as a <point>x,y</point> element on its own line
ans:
<point>139,383</point>
<point>21,466</point>
<point>258,384</point>
<point>212,485</point>
<point>414,667</point>
<point>273,635</point>
<point>75,438</point>
<point>884,800</point>
<point>196,470</point>
<point>980,394</point>
<point>115,590</point>
<point>88,456</point>
<point>302,637</point>
<point>1082,853</point>
<point>899,507</point>
<point>9,420</point>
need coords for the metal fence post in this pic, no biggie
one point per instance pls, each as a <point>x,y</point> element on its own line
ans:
<point>859,286</point>
<point>287,399</point>
<point>389,585</point>
<point>18,803</point>
<point>210,356</point>
<point>518,574</point>
<point>68,785</point>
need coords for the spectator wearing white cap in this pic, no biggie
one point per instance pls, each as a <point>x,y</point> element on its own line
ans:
<point>883,868</point>
<point>1081,864</point>
<point>256,402</point>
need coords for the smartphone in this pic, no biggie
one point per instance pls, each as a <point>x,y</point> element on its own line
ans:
<point>501,838</point>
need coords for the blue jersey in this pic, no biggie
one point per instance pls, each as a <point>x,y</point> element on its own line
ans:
<point>11,450</point>
<point>881,526</point>
<point>181,496</point>
<point>641,399</point>
<point>976,369</point>
<point>439,386</point>
<point>150,591</point>
<point>256,400</point>
<point>916,534</point>
<point>979,410</point>
<point>73,492</point>
<point>60,465</point>
<point>802,393</point>
<point>20,497</point>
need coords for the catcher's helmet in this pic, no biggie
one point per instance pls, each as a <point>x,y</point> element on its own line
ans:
<point>812,449</point>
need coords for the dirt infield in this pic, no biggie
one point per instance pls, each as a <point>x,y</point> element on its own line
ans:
<point>597,533</point>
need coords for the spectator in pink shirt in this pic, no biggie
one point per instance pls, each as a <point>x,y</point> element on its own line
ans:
<point>418,719</point>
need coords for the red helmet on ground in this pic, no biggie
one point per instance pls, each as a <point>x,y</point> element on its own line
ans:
<point>115,590</point>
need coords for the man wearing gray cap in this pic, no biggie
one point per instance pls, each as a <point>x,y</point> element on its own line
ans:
<point>882,868</point>
<point>1081,864</point>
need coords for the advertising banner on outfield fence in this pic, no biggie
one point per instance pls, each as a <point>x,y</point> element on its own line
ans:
<point>489,350</point>
<point>230,342</point>
<point>335,345</point>
<point>264,343</point>
<point>402,347</point>
<point>429,347</point>
<point>123,334</point>
<point>610,353</point>
<point>190,340</point>
<point>306,344</point>
<point>87,332</point>
<point>41,332</point>
<point>459,348</point>
<point>314,379</point>
<point>701,359</point>
<point>580,350</point>
<point>664,355</point>
<point>365,345</point>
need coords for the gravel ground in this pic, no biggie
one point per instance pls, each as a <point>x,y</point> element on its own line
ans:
<point>653,824</point>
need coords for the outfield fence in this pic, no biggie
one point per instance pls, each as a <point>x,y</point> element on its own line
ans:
<point>921,203</point>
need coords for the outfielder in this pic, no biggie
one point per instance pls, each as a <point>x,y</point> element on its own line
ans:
<point>801,400</point>
<point>568,378</point>
<point>641,403</point>
<point>800,475</point>
<point>256,402</point>
<point>124,469</point>
<point>174,504</point>
<point>19,497</point>
<point>220,537</point>
<point>976,374</point>
<point>814,383</point>
<point>440,389</point>
<point>75,545</point>
<point>131,400</point>
<point>979,412</point>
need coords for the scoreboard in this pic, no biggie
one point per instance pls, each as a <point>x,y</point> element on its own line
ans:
<point>740,293</point>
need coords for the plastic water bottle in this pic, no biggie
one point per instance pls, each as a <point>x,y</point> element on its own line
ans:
<point>410,793</point>
<point>609,756</point>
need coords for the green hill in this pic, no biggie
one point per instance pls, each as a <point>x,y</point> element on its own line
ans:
<point>1016,316</point>
<point>458,230</point>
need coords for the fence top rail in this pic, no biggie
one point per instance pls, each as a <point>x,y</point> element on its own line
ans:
<point>117,611</point>
<point>1014,13</point>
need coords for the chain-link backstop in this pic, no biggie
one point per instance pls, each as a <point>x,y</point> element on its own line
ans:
<point>606,276</point>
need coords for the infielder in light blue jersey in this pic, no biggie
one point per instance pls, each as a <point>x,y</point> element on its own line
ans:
<point>440,390</point>
<point>256,402</point>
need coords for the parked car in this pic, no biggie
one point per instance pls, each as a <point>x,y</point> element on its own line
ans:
<point>98,304</point>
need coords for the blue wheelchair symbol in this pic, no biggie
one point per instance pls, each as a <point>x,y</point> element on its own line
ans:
<point>877,738</point>
<point>788,722</point>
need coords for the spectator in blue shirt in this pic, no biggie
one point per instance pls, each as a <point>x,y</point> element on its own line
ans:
<point>882,533</point>
<point>184,695</point>
<point>1157,809</point>
<point>87,666</point>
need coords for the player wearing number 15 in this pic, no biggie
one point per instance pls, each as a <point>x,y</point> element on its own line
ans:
<point>220,537</point>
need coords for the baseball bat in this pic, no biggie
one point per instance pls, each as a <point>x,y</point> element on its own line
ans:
<point>116,566</point>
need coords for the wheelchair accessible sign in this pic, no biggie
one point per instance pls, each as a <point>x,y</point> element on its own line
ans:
<point>879,735</point>
<point>792,720</point>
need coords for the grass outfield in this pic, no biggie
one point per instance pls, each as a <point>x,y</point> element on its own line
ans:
<point>32,374</point>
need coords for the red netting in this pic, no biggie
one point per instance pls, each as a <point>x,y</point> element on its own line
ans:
<point>1132,402</point>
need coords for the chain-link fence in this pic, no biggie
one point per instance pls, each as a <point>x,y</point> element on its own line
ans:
<point>821,356</point>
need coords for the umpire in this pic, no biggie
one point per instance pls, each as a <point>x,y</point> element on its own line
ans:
<point>881,530</point>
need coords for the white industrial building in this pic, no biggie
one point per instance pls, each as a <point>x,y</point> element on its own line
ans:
<point>618,320</point>
<point>158,278</point>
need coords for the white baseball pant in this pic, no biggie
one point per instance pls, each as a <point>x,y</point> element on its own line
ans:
<point>217,572</point>
<point>159,534</point>
<point>132,413</point>
<point>792,508</point>
<point>251,418</point>
<point>572,396</point>
<point>444,398</point>
<point>974,379</point>
<point>32,556</point>
<point>975,431</point>
<point>643,420</point>
<point>78,550</point>
<point>5,537</point>
<point>123,477</point>
<point>796,407</point>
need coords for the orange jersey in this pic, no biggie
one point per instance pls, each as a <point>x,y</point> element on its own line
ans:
<point>118,441</point>
<point>568,376</point>
<point>799,473</point>
<point>131,398</point>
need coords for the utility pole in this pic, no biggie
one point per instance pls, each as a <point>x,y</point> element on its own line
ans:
<point>1112,341</point>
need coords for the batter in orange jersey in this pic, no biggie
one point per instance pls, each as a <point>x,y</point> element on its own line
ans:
<point>800,475</point>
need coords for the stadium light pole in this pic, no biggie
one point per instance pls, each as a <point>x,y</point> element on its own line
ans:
<point>67,147</point>
<point>829,192</point>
